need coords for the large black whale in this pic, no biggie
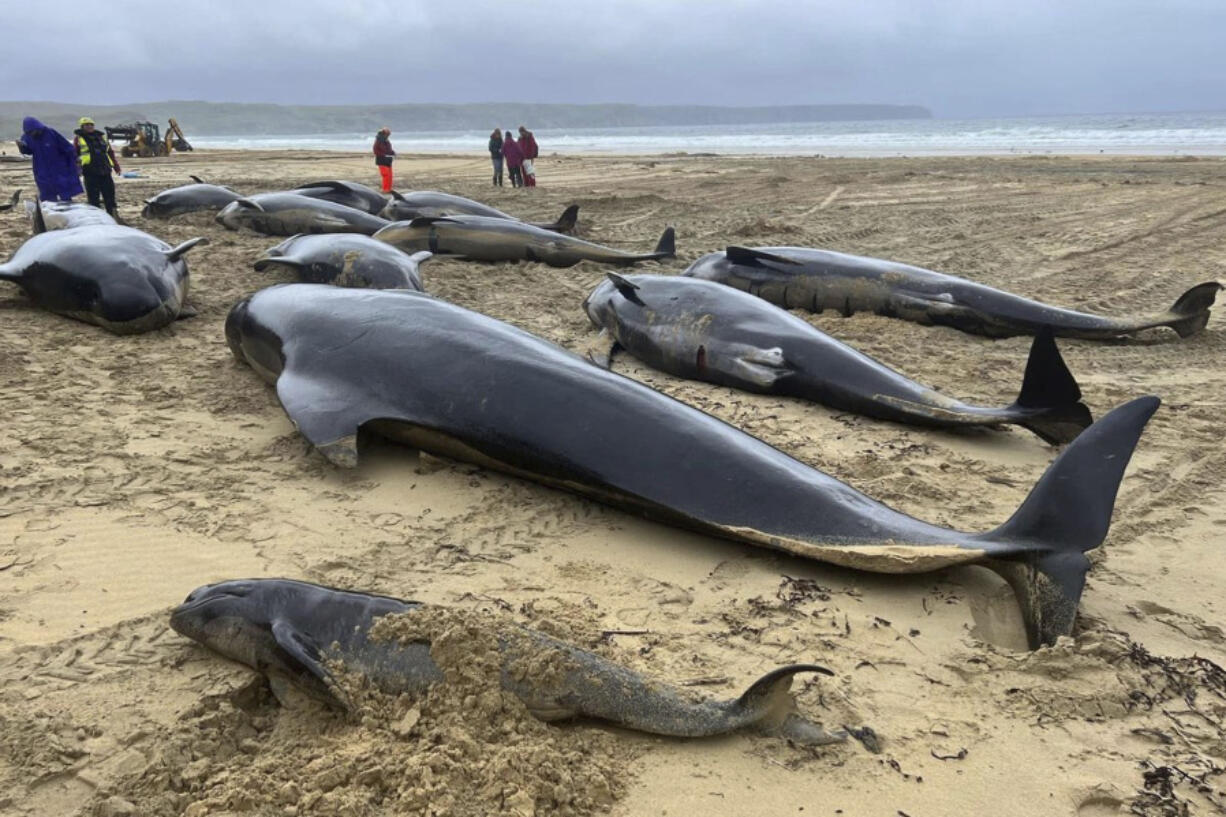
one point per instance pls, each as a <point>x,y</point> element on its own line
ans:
<point>460,384</point>
<point>800,278</point>
<point>704,331</point>
<point>119,278</point>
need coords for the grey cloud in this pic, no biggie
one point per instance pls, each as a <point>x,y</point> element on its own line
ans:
<point>958,58</point>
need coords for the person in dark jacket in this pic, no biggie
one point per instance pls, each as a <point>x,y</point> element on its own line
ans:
<point>54,160</point>
<point>496,155</point>
<point>98,162</point>
<point>384,156</point>
<point>527,143</point>
<point>515,159</point>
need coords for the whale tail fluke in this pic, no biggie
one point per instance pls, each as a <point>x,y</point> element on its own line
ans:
<point>16,197</point>
<point>769,706</point>
<point>1050,388</point>
<point>1067,513</point>
<point>1191,312</point>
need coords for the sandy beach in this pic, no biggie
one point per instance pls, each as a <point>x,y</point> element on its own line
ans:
<point>134,469</point>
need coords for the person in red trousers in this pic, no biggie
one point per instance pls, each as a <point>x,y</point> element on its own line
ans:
<point>384,156</point>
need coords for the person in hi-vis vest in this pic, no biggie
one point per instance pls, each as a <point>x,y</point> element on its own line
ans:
<point>98,162</point>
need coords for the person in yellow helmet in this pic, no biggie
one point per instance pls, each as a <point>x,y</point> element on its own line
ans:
<point>98,162</point>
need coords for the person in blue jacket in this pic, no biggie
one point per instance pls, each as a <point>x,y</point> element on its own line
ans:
<point>55,161</point>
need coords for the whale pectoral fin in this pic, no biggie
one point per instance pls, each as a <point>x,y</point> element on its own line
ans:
<point>600,349</point>
<point>755,366</point>
<point>186,311</point>
<point>928,306</point>
<point>323,220</point>
<point>329,418</point>
<point>426,221</point>
<point>303,653</point>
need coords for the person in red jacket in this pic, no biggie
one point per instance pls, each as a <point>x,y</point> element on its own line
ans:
<point>527,143</point>
<point>384,156</point>
<point>514,154</point>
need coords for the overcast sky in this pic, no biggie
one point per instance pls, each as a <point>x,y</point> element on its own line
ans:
<point>957,57</point>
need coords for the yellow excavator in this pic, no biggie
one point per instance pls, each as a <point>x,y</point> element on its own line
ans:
<point>144,139</point>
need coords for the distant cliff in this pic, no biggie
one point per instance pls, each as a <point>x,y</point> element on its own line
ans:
<point>233,119</point>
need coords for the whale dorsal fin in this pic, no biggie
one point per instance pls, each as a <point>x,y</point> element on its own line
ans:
<point>250,204</point>
<point>40,223</point>
<point>397,195</point>
<point>627,288</point>
<point>754,258</point>
<point>197,180</point>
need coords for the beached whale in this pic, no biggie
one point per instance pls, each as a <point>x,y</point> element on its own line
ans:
<point>480,238</point>
<point>119,278</point>
<point>189,198</point>
<point>65,215</point>
<point>799,278</point>
<point>290,213</point>
<point>294,632</point>
<point>459,384</point>
<point>350,194</point>
<point>702,330</point>
<point>346,261</point>
<point>419,203</point>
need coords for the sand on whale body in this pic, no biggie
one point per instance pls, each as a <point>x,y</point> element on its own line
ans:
<point>134,469</point>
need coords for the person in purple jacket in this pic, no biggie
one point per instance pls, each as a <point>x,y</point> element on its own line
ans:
<point>54,159</point>
<point>515,159</point>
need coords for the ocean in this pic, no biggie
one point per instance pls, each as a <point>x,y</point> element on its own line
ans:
<point>1131,134</point>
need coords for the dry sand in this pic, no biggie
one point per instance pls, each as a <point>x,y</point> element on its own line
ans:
<point>133,469</point>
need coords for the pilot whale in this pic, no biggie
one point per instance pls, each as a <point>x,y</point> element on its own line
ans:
<point>459,384</point>
<point>295,632</point>
<point>800,278</point>
<point>705,331</point>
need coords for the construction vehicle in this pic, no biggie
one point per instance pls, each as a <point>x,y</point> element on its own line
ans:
<point>144,139</point>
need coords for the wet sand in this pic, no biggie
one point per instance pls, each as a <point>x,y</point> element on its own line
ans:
<point>133,469</point>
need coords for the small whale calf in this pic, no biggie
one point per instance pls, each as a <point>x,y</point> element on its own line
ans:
<point>706,331</point>
<point>347,261</point>
<point>295,633</point>
<point>65,215</point>
<point>189,198</point>
<point>426,203</point>
<point>481,238</point>
<point>800,278</point>
<point>291,213</point>
<point>350,194</point>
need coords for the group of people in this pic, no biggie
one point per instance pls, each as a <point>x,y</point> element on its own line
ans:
<point>60,166</point>
<point>519,157</point>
